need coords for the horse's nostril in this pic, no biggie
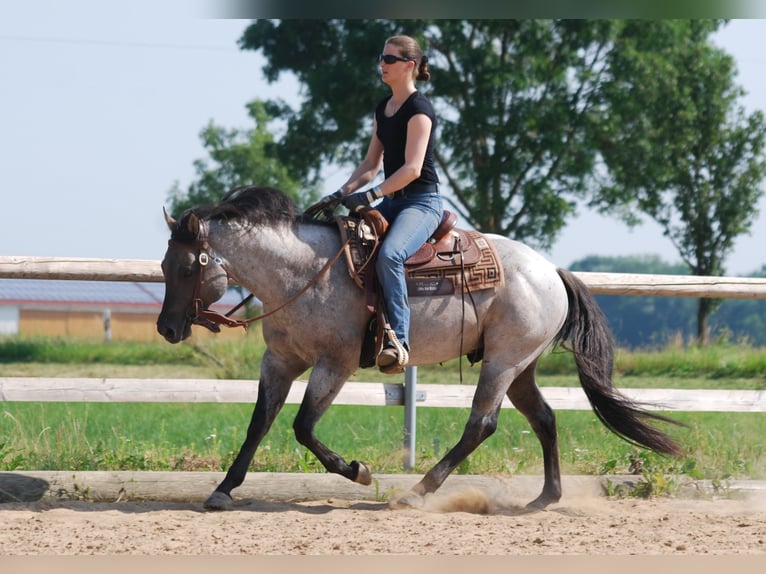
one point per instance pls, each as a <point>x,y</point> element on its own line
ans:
<point>167,332</point>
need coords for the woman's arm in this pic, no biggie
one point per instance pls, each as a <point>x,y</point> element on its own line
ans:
<point>369,167</point>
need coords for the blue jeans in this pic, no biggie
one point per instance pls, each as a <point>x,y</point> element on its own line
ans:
<point>412,220</point>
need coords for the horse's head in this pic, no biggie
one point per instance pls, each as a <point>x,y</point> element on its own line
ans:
<point>194,278</point>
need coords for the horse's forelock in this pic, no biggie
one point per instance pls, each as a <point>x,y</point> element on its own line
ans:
<point>182,232</point>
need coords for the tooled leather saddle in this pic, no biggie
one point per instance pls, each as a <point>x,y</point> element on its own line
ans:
<point>452,261</point>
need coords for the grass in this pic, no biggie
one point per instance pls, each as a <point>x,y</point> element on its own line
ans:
<point>113,436</point>
<point>49,350</point>
<point>722,366</point>
<point>99,436</point>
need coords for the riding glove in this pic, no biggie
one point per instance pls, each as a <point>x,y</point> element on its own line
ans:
<point>356,201</point>
<point>325,205</point>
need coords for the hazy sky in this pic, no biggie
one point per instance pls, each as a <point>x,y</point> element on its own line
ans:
<point>101,114</point>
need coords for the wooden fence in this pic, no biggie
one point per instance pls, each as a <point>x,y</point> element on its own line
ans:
<point>177,390</point>
<point>119,390</point>
<point>409,394</point>
<point>86,269</point>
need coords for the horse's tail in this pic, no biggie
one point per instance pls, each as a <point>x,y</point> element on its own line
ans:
<point>590,340</point>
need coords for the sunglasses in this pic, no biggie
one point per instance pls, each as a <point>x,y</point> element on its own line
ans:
<point>392,59</point>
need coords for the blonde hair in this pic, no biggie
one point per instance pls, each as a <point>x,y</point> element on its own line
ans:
<point>409,48</point>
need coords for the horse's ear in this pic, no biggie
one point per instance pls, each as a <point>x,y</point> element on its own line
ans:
<point>172,223</point>
<point>194,225</point>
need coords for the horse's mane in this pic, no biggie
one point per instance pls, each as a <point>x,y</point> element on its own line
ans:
<point>253,205</point>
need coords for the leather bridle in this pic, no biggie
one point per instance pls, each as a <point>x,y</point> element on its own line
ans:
<point>212,319</point>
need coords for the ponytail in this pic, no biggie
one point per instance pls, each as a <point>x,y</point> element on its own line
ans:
<point>423,74</point>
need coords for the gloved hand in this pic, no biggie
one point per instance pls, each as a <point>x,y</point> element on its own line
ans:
<point>356,201</point>
<point>325,206</point>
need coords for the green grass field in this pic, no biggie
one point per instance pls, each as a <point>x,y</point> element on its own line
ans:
<point>99,436</point>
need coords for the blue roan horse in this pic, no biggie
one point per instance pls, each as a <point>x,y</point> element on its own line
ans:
<point>257,237</point>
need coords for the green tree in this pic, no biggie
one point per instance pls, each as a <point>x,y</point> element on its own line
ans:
<point>678,146</point>
<point>513,98</point>
<point>237,157</point>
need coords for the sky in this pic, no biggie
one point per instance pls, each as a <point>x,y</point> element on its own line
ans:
<point>100,115</point>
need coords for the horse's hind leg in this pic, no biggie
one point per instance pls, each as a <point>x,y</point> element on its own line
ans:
<point>482,422</point>
<point>526,397</point>
<point>479,427</point>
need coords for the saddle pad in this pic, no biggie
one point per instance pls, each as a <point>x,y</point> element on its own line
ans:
<point>486,273</point>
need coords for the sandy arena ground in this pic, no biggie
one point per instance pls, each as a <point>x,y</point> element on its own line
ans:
<point>465,520</point>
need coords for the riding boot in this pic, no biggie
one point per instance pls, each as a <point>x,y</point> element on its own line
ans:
<point>394,356</point>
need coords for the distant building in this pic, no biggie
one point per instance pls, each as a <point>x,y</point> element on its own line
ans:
<point>111,310</point>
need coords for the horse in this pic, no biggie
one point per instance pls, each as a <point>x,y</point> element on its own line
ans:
<point>315,316</point>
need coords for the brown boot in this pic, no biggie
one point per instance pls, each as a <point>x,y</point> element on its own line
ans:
<point>389,361</point>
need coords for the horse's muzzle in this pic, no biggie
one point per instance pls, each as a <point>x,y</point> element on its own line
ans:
<point>173,334</point>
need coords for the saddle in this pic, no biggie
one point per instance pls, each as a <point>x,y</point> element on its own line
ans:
<point>452,261</point>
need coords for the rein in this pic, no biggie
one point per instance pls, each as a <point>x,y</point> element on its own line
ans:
<point>211,319</point>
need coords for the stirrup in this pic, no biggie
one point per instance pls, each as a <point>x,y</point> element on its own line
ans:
<point>402,356</point>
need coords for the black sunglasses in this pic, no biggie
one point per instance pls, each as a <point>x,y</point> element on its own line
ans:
<point>392,59</point>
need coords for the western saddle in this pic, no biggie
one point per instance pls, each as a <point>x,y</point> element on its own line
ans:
<point>449,248</point>
<point>452,261</point>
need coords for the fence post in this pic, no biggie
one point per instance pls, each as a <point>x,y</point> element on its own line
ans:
<point>410,384</point>
<point>107,325</point>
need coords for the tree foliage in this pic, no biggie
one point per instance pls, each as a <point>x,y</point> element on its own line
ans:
<point>526,107</point>
<point>237,157</point>
<point>642,321</point>
<point>677,145</point>
<point>513,99</point>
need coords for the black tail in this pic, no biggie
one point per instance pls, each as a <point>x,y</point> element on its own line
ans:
<point>588,333</point>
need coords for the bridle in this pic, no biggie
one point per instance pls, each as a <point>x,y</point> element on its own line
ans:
<point>212,319</point>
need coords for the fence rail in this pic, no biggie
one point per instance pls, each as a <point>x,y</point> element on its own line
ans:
<point>100,390</point>
<point>83,269</point>
<point>86,269</point>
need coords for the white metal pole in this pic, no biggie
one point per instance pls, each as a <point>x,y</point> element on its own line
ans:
<point>410,384</point>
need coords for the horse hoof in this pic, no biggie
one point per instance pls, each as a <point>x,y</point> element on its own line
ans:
<point>541,502</point>
<point>218,501</point>
<point>407,500</point>
<point>363,474</point>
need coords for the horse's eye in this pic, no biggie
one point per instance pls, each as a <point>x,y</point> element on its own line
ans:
<point>186,271</point>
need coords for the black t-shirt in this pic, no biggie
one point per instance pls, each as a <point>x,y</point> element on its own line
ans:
<point>392,132</point>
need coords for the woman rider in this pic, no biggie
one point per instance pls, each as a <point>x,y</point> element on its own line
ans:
<point>402,143</point>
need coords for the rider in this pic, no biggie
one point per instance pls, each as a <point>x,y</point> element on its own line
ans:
<point>402,142</point>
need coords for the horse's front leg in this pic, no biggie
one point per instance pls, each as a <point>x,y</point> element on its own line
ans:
<point>275,382</point>
<point>324,385</point>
